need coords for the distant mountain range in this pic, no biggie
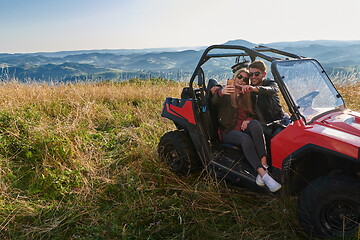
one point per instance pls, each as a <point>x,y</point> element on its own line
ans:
<point>173,63</point>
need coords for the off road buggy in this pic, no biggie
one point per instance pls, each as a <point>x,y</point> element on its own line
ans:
<point>315,157</point>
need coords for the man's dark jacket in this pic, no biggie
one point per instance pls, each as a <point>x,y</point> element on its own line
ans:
<point>267,102</point>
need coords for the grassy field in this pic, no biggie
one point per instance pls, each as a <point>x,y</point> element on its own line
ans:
<point>79,161</point>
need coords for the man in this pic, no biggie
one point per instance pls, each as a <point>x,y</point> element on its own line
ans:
<point>265,97</point>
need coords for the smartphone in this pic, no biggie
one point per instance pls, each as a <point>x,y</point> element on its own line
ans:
<point>230,82</point>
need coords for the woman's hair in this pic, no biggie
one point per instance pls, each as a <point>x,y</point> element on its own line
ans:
<point>243,100</point>
<point>245,70</point>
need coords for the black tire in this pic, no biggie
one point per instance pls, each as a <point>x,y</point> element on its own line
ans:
<point>330,207</point>
<point>177,150</point>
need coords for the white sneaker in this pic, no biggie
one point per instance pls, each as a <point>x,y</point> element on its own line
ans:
<point>272,185</point>
<point>259,181</point>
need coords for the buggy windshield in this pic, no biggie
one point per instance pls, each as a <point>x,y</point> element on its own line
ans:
<point>309,87</point>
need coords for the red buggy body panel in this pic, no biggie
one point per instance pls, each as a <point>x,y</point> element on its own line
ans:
<point>181,110</point>
<point>338,132</point>
<point>185,111</point>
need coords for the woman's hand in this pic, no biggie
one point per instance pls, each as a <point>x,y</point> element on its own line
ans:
<point>228,89</point>
<point>244,125</point>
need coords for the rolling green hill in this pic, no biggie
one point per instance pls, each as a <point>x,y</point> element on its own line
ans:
<point>335,56</point>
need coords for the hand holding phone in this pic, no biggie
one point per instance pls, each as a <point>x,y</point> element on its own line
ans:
<point>230,82</point>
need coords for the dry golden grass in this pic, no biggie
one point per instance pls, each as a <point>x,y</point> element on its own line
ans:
<point>80,161</point>
<point>351,95</point>
<point>15,94</point>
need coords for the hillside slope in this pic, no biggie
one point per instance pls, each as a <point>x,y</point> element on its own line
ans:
<point>122,64</point>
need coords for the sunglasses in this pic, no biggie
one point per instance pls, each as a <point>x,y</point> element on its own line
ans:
<point>241,77</point>
<point>255,73</point>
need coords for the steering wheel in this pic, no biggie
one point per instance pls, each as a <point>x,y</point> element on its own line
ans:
<point>306,100</point>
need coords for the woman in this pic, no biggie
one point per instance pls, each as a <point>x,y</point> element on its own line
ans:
<point>235,115</point>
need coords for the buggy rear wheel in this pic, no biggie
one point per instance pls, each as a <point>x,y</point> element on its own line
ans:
<point>177,150</point>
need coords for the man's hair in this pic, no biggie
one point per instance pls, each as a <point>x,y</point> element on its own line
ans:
<point>259,65</point>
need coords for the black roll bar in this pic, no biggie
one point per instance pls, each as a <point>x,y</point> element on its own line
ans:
<point>277,51</point>
<point>250,52</point>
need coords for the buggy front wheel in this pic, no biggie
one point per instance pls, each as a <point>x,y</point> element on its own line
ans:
<point>329,207</point>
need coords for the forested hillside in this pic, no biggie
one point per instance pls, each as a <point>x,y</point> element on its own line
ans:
<point>176,63</point>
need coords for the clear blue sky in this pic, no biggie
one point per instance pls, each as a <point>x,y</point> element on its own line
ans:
<point>57,25</point>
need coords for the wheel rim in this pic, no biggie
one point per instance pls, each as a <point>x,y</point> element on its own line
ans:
<point>340,215</point>
<point>172,157</point>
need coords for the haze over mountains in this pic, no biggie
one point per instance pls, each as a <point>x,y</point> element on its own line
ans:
<point>172,63</point>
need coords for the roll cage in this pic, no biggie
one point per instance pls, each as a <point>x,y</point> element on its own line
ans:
<point>253,53</point>
<point>274,56</point>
